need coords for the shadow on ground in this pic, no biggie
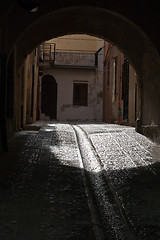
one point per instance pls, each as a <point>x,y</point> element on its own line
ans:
<point>41,197</point>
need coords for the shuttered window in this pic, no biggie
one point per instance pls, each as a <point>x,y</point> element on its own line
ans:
<point>80,94</point>
<point>108,73</point>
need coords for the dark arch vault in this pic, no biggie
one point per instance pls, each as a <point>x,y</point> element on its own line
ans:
<point>119,22</point>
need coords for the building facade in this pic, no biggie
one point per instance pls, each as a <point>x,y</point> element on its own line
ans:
<point>120,88</point>
<point>27,88</point>
<point>121,23</point>
<point>72,66</point>
<point>58,81</point>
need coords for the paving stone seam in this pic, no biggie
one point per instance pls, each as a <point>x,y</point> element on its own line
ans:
<point>98,230</point>
<point>132,234</point>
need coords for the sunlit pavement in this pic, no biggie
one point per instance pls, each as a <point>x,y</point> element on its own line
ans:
<point>42,191</point>
<point>132,166</point>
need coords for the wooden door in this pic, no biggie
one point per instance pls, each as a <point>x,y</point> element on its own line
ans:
<point>49,97</point>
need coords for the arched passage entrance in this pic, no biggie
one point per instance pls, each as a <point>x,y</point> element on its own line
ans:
<point>97,20</point>
<point>49,97</point>
<point>112,24</point>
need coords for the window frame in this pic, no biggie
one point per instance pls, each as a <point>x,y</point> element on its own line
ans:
<point>80,102</point>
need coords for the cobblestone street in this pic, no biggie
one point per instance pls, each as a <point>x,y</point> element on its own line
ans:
<point>130,162</point>
<point>80,181</point>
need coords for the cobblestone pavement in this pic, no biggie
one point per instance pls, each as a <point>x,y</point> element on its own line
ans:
<point>42,185</point>
<point>131,164</point>
<point>44,198</point>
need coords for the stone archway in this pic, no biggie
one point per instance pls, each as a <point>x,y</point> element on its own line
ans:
<point>111,26</point>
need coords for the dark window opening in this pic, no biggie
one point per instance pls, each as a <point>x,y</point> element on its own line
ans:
<point>125,88</point>
<point>108,73</point>
<point>115,66</point>
<point>135,101</point>
<point>80,94</point>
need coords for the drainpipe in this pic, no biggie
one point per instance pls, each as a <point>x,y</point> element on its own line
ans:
<point>96,56</point>
<point>119,99</point>
<point>104,76</point>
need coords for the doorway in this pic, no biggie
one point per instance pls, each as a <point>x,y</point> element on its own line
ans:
<point>49,97</point>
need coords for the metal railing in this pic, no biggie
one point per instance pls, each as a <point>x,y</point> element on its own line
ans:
<point>63,57</point>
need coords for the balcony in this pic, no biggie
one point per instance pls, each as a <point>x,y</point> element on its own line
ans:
<point>75,59</point>
<point>60,58</point>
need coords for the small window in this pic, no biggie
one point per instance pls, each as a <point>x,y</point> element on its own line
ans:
<point>114,81</point>
<point>80,94</point>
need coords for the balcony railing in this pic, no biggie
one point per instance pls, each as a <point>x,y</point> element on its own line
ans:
<point>60,57</point>
<point>75,59</point>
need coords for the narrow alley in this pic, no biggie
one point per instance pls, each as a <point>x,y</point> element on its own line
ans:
<point>79,120</point>
<point>91,181</point>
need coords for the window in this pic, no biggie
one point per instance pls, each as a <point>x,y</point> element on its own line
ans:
<point>114,75</point>
<point>125,88</point>
<point>80,94</point>
<point>108,75</point>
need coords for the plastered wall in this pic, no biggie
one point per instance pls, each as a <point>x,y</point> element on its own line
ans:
<point>65,109</point>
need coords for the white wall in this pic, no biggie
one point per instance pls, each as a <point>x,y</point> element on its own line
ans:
<point>65,109</point>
